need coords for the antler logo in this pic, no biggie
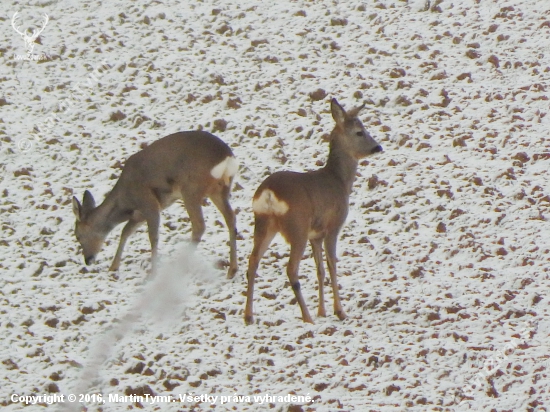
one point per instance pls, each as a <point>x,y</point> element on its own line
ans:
<point>28,37</point>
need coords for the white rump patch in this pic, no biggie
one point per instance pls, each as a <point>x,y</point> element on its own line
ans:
<point>226,169</point>
<point>269,204</point>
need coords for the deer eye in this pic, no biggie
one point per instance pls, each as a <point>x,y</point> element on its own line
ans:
<point>360,134</point>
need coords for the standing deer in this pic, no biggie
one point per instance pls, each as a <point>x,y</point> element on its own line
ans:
<point>186,165</point>
<point>310,206</point>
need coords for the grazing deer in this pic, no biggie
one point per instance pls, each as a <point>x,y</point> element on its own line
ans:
<point>187,165</point>
<point>310,206</point>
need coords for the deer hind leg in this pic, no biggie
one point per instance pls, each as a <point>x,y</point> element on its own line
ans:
<point>297,247</point>
<point>264,232</point>
<point>330,248</point>
<point>127,231</point>
<point>317,247</point>
<point>220,198</point>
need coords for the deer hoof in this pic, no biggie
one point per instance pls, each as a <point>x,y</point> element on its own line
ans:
<point>231,273</point>
<point>308,320</point>
<point>249,319</point>
<point>341,314</point>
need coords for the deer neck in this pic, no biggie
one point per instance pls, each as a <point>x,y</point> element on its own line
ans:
<point>109,214</point>
<point>340,163</point>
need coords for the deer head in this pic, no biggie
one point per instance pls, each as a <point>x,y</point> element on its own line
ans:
<point>352,136</point>
<point>86,230</point>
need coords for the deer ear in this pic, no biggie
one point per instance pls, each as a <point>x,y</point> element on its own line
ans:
<point>355,112</point>
<point>338,112</point>
<point>88,203</point>
<point>76,208</point>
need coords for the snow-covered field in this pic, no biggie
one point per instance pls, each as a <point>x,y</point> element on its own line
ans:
<point>443,262</point>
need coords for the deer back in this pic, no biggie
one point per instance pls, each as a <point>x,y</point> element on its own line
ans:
<point>313,201</point>
<point>184,162</point>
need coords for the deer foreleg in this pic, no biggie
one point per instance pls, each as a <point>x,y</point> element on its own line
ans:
<point>151,212</point>
<point>129,228</point>
<point>330,249</point>
<point>316,246</point>
<point>194,210</point>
